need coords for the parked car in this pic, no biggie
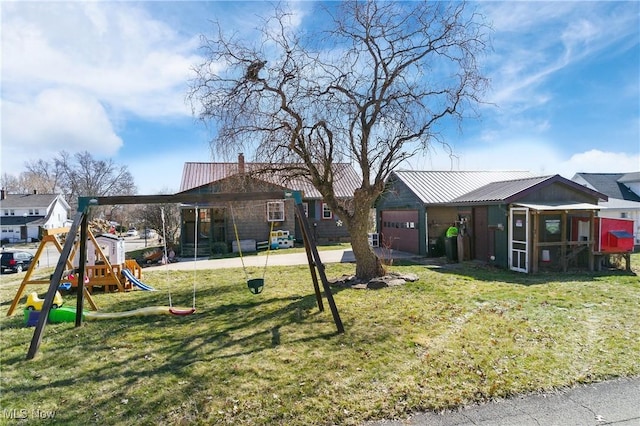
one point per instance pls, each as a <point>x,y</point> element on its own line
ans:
<point>149,233</point>
<point>132,233</point>
<point>16,261</point>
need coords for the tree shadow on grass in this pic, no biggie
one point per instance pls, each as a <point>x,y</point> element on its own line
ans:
<point>483,272</point>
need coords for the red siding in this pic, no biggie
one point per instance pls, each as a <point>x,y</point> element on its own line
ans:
<point>400,230</point>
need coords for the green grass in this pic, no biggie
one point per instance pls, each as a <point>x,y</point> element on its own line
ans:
<point>456,336</point>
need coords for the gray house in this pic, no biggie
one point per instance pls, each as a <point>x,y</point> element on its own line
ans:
<point>415,210</point>
<point>223,224</point>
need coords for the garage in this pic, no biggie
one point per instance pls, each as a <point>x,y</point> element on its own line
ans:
<point>400,230</point>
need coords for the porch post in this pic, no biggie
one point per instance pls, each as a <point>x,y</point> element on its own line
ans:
<point>534,254</point>
<point>591,240</point>
<point>563,247</point>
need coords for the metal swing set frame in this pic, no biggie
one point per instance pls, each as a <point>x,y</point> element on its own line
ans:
<point>80,223</point>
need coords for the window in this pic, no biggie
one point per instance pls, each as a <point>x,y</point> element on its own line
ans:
<point>326,211</point>
<point>36,211</point>
<point>305,206</point>
<point>275,211</point>
<point>6,212</point>
<point>12,212</point>
<point>623,215</point>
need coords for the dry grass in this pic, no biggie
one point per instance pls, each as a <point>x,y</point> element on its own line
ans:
<point>456,336</point>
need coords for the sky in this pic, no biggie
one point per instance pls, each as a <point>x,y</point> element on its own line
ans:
<point>111,78</point>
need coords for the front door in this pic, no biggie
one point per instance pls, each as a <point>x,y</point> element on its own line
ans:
<point>519,239</point>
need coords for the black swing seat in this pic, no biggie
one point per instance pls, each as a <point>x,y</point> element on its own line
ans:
<point>256,285</point>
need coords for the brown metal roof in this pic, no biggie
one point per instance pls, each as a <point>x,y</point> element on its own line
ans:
<point>438,187</point>
<point>195,175</point>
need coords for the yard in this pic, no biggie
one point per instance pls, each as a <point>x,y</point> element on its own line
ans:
<point>458,335</point>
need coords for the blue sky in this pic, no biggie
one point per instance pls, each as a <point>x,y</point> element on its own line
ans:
<point>111,78</point>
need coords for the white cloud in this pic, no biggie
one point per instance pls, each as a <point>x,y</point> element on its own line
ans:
<point>55,120</point>
<point>596,161</point>
<point>537,156</point>
<point>534,40</point>
<point>113,51</point>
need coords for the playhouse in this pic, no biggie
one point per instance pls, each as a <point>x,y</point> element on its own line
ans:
<point>106,266</point>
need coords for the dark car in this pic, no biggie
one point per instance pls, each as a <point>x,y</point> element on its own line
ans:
<point>16,261</point>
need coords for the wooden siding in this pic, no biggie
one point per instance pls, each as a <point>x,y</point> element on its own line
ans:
<point>497,215</point>
<point>555,193</point>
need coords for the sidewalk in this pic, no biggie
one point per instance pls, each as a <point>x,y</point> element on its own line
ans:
<point>279,259</point>
<point>615,402</point>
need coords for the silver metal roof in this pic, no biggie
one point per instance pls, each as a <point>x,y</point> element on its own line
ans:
<point>437,187</point>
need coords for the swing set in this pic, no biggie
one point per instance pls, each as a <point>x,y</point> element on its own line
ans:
<point>80,223</point>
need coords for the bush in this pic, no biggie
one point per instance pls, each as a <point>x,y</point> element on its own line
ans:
<point>219,248</point>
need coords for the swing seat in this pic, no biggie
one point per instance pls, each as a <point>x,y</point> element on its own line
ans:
<point>256,285</point>
<point>182,312</point>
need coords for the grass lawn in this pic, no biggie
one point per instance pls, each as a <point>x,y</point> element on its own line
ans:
<point>458,335</point>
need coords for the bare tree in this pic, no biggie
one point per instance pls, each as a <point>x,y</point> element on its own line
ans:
<point>39,176</point>
<point>370,88</point>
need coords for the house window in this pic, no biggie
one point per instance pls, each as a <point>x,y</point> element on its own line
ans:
<point>623,215</point>
<point>275,211</point>
<point>326,211</point>
<point>12,212</point>
<point>6,212</point>
<point>30,212</point>
<point>36,211</point>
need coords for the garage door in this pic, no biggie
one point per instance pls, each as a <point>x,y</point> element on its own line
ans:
<point>400,230</point>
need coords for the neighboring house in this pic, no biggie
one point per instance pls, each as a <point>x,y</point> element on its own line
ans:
<point>623,190</point>
<point>218,224</point>
<point>529,223</point>
<point>23,216</point>
<point>415,210</point>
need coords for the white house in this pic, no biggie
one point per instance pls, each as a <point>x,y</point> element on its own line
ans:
<point>22,216</point>
<point>623,190</point>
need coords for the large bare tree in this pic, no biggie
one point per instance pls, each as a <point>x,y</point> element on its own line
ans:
<point>369,87</point>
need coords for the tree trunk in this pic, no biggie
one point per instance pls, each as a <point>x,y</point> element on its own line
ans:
<point>368,265</point>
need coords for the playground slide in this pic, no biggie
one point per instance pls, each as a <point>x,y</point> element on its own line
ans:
<point>129,275</point>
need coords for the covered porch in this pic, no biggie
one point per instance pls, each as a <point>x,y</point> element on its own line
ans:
<point>552,236</point>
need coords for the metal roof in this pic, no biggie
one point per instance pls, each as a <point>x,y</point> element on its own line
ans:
<point>511,190</point>
<point>437,187</point>
<point>611,184</point>
<point>195,175</point>
<point>22,201</point>
<point>500,191</point>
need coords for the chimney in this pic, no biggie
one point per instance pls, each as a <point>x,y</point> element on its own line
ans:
<point>241,163</point>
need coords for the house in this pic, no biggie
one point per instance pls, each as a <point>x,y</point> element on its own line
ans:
<point>623,190</point>
<point>532,223</point>
<point>23,216</point>
<point>414,212</point>
<point>220,225</point>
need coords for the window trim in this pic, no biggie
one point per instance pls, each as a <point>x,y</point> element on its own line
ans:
<point>325,207</point>
<point>271,212</point>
